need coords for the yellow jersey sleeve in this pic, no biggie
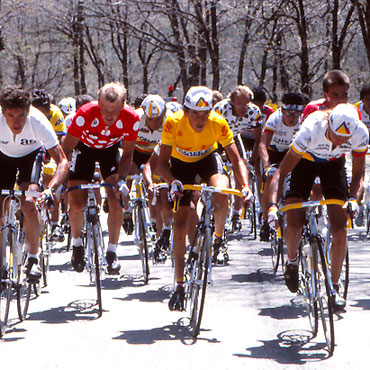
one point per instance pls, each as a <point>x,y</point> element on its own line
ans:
<point>190,146</point>
<point>57,120</point>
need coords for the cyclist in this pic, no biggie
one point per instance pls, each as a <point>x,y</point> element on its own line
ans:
<point>94,136</point>
<point>41,101</point>
<point>319,149</point>
<point>260,100</point>
<point>152,114</point>
<point>276,138</point>
<point>364,106</point>
<point>24,133</point>
<point>242,116</point>
<point>189,143</point>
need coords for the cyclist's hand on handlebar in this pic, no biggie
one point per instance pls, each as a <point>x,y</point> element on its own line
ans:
<point>273,219</point>
<point>352,207</point>
<point>247,194</point>
<point>176,189</point>
<point>46,197</point>
<point>123,188</point>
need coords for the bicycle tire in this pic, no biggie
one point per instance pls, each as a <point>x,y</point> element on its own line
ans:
<point>5,299</point>
<point>367,220</point>
<point>275,252</point>
<point>308,262</point>
<point>143,248</point>
<point>325,297</point>
<point>5,288</point>
<point>45,251</point>
<point>97,265</point>
<point>201,281</point>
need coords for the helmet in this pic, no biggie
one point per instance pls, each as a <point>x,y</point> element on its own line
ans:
<point>173,106</point>
<point>198,98</point>
<point>344,119</point>
<point>67,105</point>
<point>40,98</point>
<point>153,106</point>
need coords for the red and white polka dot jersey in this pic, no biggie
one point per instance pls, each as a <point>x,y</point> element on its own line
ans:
<point>88,125</point>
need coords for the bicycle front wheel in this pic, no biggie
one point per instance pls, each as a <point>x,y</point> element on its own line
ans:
<point>199,281</point>
<point>143,247</point>
<point>97,248</point>
<point>325,297</point>
<point>308,261</point>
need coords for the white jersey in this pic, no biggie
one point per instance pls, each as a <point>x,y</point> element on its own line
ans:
<point>37,132</point>
<point>146,138</point>
<point>312,142</point>
<point>282,134</point>
<point>69,118</point>
<point>251,120</point>
<point>364,114</point>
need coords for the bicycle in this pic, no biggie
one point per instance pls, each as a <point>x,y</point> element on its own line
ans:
<point>93,239</point>
<point>315,277</point>
<point>143,232</point>
<point>198,264</point>
<point>13,252</point>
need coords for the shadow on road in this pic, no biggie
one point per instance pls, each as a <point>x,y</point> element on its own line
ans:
<point>291,347</point>
<point>76,310</point>
<point>149,296</point>
<point>285,312</point>
<point>259,276</point>
<point>362,303</point>
<point>179,330</point>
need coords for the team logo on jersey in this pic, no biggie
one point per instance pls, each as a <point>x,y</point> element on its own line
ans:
<point>201,103</point>
<point>80,121</point>
<point>119,124</point>
<point>343,129</point>
<point>95,123</point>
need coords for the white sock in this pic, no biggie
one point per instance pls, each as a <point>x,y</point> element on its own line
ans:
<point>33,256</point>
<point>293,261</point>
<point>112,247</point>
<point>77,242</point>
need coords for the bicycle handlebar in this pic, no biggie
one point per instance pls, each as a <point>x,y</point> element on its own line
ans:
<point>90,186</point>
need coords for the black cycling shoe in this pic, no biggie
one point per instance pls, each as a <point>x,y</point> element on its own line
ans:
<point>127,223</point>
<point>33,271</point>
<point>291,277</point>
<point>338,303</point>
<point>220,255</point>
<point>163,241</point>
<point>265,232</point>
<point>114,266</point>
<point>78,259</point>
<point>57,234</point>
<point>236,223</point>
<point>159,255</point>
<point>176,302</point>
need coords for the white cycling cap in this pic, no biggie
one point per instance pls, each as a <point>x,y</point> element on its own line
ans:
<point>344,119</point>
<point>198,98</point>
<point>153,106</point>
<point>67,105</point>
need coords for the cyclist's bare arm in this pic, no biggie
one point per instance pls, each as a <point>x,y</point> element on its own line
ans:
<point>124,165</point>
<point>61,172</point>
<point>257,138</point>
<point>358,169</point>
<point>150,167</point>
<point>290,160</point>
<point>164,157</point>
<point>262,148</point>
<point>69,143</point>
<point>239,167</point>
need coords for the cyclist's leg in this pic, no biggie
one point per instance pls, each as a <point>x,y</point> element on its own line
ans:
<point>29,178</point>
<point>181,218</point>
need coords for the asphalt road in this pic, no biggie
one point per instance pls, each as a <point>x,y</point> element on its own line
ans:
<point>250,320</point>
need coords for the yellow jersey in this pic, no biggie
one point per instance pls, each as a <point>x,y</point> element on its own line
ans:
<point>56,119</point>
<point>190,146</point>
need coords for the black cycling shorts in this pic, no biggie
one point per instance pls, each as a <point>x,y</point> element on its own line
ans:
<point>82,166</point>
<point>140,158</point>
<point>332,175</point>
<point>29,169</point>
<point>187,172</point>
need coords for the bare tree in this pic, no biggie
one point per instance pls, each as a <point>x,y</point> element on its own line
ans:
<point>363,12</point>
